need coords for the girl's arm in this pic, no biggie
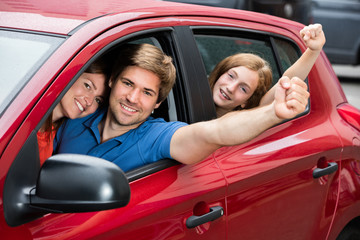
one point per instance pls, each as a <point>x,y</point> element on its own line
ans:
<point>314,39</point>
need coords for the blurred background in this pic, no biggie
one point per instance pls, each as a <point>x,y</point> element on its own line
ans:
<point>341,23</point>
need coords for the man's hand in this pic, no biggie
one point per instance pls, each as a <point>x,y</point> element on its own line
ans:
<point>313,37</point>
<point>291,97</point>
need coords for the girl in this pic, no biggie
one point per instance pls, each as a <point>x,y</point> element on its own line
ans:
<point>242,81</point>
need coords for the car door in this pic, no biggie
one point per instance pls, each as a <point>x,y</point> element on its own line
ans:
<point>168,201</point>
<point>277,184</point>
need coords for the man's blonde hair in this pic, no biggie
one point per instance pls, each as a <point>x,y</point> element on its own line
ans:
<point>150,58</point>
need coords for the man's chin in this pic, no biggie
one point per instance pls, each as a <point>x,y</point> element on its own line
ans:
<point>130,122</point>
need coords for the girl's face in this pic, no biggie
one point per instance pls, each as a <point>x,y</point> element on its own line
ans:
<point>83,98</point>
<point>234,88</point>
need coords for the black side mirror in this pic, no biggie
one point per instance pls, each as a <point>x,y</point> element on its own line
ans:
<point>65,183</point>
<point>77,183</point>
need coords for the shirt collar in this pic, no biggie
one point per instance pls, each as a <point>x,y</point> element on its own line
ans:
<point>93,121</point>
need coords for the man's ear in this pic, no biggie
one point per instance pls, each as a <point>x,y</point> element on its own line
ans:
<point>157,105</point>
<point>110,83</point>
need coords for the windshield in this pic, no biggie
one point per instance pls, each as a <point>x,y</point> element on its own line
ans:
<point>21,55</point>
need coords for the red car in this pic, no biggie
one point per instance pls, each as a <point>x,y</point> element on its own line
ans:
<point>298,180</point>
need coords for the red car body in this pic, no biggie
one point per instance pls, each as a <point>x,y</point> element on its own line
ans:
<point>267,188</point>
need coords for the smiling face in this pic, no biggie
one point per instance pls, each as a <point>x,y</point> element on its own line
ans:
<point>83,98</point>
<point>133,96</point>
<point>234,88</point>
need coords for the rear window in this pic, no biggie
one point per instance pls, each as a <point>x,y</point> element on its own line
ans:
<point>279,53</point>
<point>21,56</point>
<point>215,48</point>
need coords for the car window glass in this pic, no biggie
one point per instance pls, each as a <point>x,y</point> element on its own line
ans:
<point>21,56</point>
<point>287,52</point>
<point>215,48</point>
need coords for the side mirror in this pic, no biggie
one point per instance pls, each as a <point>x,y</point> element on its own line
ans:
<point>67,183</point>
<point>72,183</point>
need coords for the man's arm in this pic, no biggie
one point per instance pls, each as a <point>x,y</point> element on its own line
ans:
<point>192,143</point>
<point>314,39</point>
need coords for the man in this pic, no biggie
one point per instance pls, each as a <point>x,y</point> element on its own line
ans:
<point>126,135</point>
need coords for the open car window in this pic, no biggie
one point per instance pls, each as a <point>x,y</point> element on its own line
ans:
<point>287,52</point>
<point>168,109</point>
<point>214,47</point>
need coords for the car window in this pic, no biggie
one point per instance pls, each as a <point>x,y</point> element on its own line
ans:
<point>21,55</point>
<point>279,52</point>
<point>215,48</point>
<point>280,55</point>
<point>288,53</point>
<point>168,108</point>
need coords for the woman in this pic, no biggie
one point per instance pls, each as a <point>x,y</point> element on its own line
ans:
<point>242,81</point>
<point>83,98</point>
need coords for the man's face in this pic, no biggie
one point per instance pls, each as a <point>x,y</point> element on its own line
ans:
<point>133,96</point>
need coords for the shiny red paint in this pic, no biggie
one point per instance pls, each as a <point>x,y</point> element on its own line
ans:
<point>152,213</point>
<point>350,114</point>
<point>265,186</point>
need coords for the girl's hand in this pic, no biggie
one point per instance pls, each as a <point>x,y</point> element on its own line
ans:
<point>313,36</point>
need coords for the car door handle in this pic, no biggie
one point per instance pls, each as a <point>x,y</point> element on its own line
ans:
<point>215,213</point>
<point>319,172</point>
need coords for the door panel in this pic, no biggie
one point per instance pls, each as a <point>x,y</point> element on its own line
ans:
<point>272,192</point>
<point>158,209</point>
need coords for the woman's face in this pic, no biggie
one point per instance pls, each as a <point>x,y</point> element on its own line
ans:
<point>234,88</point>
<point>83,98</point>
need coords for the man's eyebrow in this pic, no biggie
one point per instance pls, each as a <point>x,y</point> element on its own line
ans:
<point>126,79</point>
<point>146,89</point>
<point>150,90</point>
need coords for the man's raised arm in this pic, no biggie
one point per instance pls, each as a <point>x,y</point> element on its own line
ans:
<point>193,143</point>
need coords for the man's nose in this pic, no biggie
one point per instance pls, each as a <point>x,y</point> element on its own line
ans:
<point>133,95</point>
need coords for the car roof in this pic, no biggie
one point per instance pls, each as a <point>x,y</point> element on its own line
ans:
<point>62,17</point>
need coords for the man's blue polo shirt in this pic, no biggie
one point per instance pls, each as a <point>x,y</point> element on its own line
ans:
<point>148,143</point>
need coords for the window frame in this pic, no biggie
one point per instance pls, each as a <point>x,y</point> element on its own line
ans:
<point>167,39</point>
<point>260,36</point>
